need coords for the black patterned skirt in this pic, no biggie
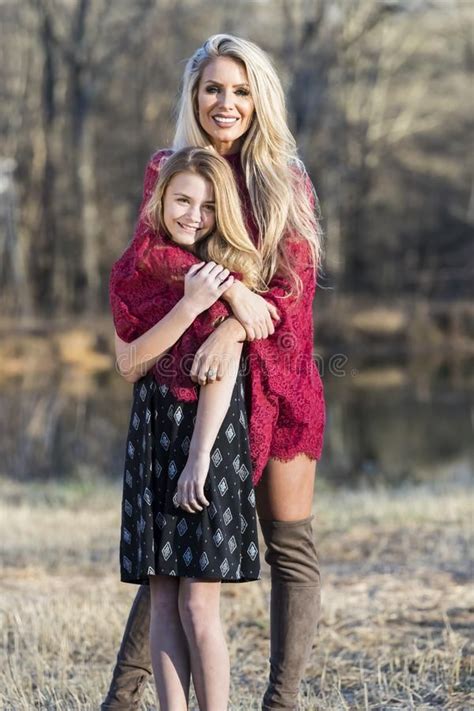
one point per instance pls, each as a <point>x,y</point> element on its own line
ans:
<point>218,543</point>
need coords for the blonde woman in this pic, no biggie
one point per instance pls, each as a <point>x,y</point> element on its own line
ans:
<point>232,103</point>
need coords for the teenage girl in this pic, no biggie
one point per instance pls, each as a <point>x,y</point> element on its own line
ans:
<point>188,512</point>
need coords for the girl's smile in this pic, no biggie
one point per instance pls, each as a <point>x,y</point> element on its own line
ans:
<point>188,208</point>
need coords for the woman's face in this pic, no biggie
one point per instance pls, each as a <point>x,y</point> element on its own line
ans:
<point>225,106</point>
<point>188,208</point>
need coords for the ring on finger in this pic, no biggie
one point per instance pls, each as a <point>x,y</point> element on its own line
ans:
<point>211,373</point>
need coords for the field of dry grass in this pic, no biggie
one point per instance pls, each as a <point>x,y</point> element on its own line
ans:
<point>396,602</point>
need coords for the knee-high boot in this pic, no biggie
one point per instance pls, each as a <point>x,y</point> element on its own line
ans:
<point>294,609</point>
<point>133,666</point>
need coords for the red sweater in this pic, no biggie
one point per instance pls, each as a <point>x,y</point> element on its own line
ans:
<point>286,409</point>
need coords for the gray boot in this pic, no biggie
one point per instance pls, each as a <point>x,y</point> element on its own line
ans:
<point>294,609</point>
<point>133,666</point>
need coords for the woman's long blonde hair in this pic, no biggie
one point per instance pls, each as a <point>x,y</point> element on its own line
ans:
<point>229,243</point>
<point>281,194</point>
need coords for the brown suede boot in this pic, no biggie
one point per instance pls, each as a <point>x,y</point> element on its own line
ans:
<point>294,609</point>
<point>133,667</point>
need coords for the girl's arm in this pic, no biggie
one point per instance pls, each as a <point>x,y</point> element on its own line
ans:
<point>212,407</point>
<point>203,285</point>
<point>136,358</point>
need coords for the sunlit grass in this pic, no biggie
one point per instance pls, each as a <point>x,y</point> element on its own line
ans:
<point>396,601</point>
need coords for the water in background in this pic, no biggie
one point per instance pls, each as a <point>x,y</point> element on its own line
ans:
<point>388,422</point>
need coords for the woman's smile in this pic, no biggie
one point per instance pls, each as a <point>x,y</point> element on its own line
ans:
<point>225,120</point>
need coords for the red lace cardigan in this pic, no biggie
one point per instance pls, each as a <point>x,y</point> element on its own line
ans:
<point>286,409</point>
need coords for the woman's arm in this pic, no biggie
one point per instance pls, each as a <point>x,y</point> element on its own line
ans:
<point>203,285</point>
<point>213,351</point>
<point>212,408</point>
<point>216,351</point>
<point>252,310</point>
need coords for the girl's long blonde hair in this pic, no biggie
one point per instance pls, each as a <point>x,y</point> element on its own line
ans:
<point>281,194</point>
<point>229,243</point>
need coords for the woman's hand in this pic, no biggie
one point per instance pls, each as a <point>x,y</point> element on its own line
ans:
<point>190,489</point>
<point>204,284</point>
<point>218,352</point>
<point>253,311</point>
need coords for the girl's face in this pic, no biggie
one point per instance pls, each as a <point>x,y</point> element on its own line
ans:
<point>225,106</point>
<point>188,208</point>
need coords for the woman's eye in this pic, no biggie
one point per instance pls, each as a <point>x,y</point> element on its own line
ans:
<point>210,208</point>
<point>212,89</point>
<point>183,200</point>
<point>243,92</point>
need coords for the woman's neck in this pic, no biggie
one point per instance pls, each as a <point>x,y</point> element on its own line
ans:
<point>228,149</point>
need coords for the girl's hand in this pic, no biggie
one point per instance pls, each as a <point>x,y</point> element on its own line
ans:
<point>204,284</point>
<point>190,490</point>
<point>253,311</point>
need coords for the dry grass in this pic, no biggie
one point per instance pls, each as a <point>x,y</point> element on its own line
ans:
<point>397,597</point>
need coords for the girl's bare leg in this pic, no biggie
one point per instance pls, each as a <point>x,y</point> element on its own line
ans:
<point>168,645</point>
<point>199,608</point>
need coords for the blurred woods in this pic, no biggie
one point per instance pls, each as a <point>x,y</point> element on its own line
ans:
<point>379,97</point>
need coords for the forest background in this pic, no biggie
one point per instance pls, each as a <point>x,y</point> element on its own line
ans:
<point>380,101</point>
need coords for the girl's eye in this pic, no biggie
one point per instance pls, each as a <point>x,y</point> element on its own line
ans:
<point>183,200</point>
<point>212,89</point>
<point>243,92</point>
<point>211,208</point>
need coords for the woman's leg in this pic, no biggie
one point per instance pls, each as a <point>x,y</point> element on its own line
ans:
<point>199,608</point>
<point>284,503</point>
<point>168,645</point>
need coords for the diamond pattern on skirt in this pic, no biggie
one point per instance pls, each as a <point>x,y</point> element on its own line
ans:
<point>160,520</point>
<point>223,486</point>
<point>166,551</point>
<point>218,537</point>
<point>182,527</point>
<point>172,470</point>
<point>216,457</point>
<point>230,433</point>
<point>165,441</point>
<point>157,538</point>
<point>203,561</point>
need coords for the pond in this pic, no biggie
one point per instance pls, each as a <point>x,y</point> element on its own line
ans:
<point>389,420</point>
